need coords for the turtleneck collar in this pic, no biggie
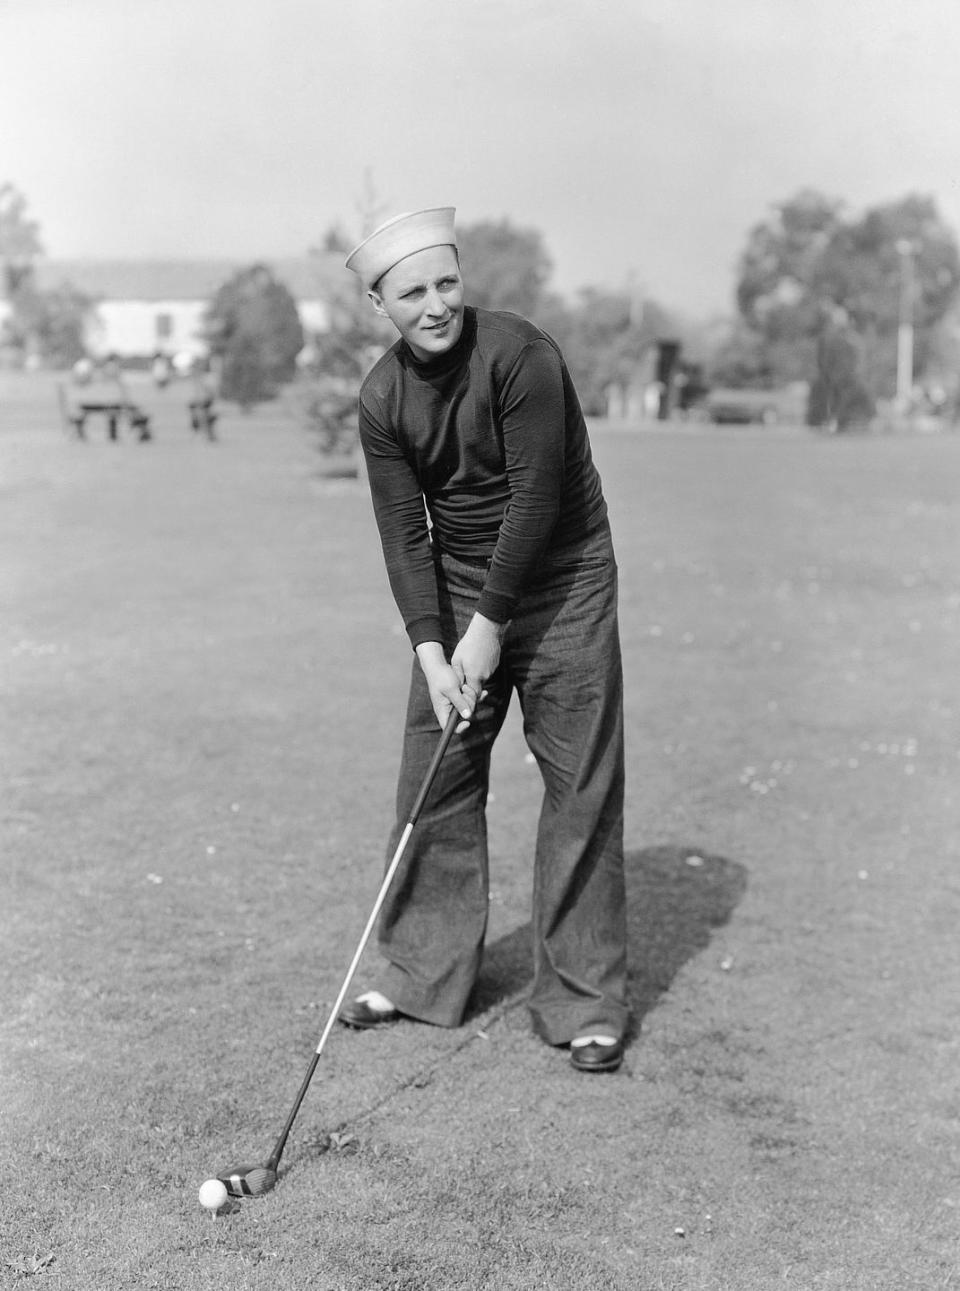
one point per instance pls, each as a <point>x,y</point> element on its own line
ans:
<point>453,358</point>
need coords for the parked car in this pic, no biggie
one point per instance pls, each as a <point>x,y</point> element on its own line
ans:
<point>757,407</point>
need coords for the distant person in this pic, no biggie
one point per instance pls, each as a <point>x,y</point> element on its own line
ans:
<point>496,540</point>
<point>652,399</point>
<point>203,416</point>
<point>183,362</point>
<point>161,371</point>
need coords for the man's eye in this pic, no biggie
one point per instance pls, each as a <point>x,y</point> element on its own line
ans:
<point>446,284</point>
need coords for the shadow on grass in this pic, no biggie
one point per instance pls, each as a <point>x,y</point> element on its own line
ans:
<point>676,897</point>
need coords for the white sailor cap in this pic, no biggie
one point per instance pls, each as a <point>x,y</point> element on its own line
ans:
<point>400,237</point>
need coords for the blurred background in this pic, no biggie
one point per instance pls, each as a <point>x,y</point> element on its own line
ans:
<point>737,213</point>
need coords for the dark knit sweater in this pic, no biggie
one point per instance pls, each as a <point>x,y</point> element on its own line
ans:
<point>491,437</point>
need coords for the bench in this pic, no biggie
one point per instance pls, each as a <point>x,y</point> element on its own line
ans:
<point>113,411</point>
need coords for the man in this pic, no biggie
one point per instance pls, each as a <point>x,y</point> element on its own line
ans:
<point>497,546</point>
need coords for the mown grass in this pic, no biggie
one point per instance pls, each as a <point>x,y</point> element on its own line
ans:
<point>202,682</point>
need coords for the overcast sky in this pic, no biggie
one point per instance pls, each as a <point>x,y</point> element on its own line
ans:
<point>642,138</point>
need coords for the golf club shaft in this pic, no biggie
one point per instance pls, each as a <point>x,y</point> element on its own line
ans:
<point>428,779</point>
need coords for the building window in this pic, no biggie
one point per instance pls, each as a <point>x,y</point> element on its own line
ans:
<point>163,326</point>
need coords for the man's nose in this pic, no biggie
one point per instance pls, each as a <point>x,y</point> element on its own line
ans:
<point>435,304</point>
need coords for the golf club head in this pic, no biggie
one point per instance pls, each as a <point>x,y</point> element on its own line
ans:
<point>247,1180</point>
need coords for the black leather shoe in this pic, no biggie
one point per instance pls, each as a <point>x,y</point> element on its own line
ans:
<point>359,1015</point>
<point>596,1057</point>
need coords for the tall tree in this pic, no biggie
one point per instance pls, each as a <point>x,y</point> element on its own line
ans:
<point>19,240</point>
<point>782,255</point>
<point>774,296</point>
<point>49,323</point>
<point>897,256</point>
<point>504,267</point>
<point>337,358</point>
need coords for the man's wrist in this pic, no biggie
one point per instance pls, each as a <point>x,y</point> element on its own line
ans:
<point>430,650</point>
<point>431,656</point>
<point>489,627</point>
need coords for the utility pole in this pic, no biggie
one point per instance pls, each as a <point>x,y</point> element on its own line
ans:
<point>905,250</point>
<point>635,293</point>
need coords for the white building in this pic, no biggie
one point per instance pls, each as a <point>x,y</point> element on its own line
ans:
<point>141,327</point>
<point>146,307</point>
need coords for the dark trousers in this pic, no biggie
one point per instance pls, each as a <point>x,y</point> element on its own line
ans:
<point>561,655</point>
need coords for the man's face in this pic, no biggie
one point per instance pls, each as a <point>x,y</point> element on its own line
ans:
<point>423,298</point>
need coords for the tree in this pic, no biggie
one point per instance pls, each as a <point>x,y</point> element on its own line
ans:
<point>244,376</point>
<point>254,328</point>
<point>19,240</point>
<point>49,323</point>
<point>862,271</point>
<point>63,339</point>
<point>808,264</point>
<point>335,361</point>
<point>55,320</point>
<point>504,267</point>
<point>780,316</point>
<point>19,246</point>
<point>781,259</point>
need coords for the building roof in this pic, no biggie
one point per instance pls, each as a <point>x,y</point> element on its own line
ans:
<point>309,278</point>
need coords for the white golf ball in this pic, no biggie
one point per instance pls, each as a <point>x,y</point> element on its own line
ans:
<point>213,1194</point>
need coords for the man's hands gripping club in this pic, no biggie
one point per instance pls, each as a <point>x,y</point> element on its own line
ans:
<point>460,683</point>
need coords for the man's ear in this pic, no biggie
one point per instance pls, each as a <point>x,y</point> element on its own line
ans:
<point>376,300</point>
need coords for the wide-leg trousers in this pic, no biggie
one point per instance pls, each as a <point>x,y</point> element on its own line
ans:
<point>561,655</point>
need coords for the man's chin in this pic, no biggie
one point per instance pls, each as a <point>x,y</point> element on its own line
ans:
<point>432,344</point>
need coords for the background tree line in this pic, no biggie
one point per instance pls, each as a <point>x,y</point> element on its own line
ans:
<point>819,298</point>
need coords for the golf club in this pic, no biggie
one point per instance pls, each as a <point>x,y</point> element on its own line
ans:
<point>255,1180</point>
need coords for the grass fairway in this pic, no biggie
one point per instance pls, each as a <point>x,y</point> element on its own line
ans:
<point>202,681</point>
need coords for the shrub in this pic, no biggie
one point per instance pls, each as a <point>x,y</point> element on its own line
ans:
<point>327,406</point>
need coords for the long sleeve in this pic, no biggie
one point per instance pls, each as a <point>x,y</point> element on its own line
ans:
<point>533,428</point>
<point>401,518</point>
